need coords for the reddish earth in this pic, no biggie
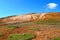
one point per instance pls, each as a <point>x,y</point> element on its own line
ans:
<point>30,17</point>
<point>45,33</point>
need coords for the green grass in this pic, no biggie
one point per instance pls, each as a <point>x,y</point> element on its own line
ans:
<point>27,24</point>
<point>26,36</point>
<point>37,29</point>
<point>22,24</point>
<point>50,22</point>
<point>11,27</point>
<point>56,39</point>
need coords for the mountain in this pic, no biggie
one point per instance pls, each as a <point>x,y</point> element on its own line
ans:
<point>44,26</point>
<point>51,15</point>
<point>31,17</point>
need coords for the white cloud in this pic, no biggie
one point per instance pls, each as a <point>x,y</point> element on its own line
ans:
<point>52,5</point>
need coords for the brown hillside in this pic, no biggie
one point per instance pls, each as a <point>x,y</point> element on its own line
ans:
<point>31,17</point>
<point>33,24</point>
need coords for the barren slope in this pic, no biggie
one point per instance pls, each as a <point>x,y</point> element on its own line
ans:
<point>37,24</point>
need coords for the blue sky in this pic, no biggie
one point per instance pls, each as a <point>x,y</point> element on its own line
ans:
<point>18,7</point>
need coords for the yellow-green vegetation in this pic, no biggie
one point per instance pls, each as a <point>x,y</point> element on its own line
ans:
<point>22,24</point>
<point>26,24</point>
<point>1,33</point>
<point>56,39</point>
<point>11,27</point>
<point>25,36</point>
<point>50,22</point>
<point>35,28</point>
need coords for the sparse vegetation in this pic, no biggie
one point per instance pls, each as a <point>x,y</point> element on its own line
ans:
<point>50,22</point>
<point>37,29</point>
<point>56,39</point>
<point>11,27</point>
<point>26,36</point>
<point>1,33</point>
<point>27,24</point>
<point>44,27</point>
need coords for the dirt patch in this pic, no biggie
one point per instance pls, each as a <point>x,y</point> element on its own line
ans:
<point>45,33</point>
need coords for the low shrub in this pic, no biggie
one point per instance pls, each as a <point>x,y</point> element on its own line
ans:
<point>11,27</point>
<point>1,33</point>
<point>56,38</point>
<point>37,29</point>
<point>26,36</point>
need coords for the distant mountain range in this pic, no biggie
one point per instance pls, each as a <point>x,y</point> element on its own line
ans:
<point>55,16</point>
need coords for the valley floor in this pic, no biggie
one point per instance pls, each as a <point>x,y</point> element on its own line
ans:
<point>45,32</point>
